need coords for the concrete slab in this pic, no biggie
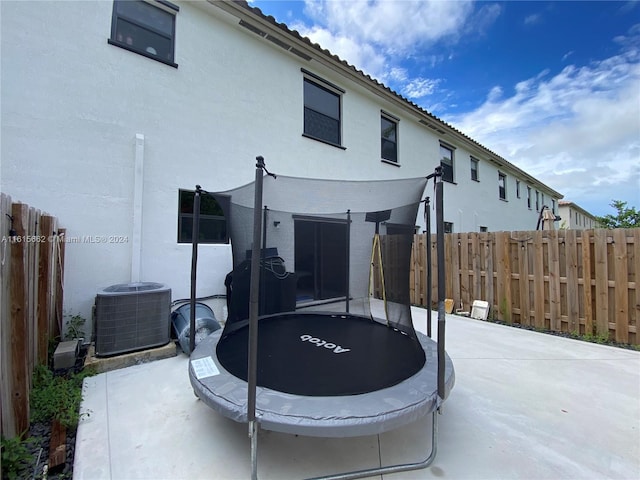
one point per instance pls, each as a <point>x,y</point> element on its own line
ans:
<point>525,406</point>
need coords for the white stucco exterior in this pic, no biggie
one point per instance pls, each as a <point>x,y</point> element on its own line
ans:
<point>575,217</point>
<point>103,138</point>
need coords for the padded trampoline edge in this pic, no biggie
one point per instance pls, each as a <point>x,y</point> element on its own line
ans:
<point>328,425</point>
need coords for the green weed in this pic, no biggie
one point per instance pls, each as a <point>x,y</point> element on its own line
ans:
<point>17,459</point>
<point>56,397</point>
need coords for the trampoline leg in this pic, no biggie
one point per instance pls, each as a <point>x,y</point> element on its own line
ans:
<point>394,468</point>
<point>253,435</point>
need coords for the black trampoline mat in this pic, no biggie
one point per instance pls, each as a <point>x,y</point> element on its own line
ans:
<point>316,354</point>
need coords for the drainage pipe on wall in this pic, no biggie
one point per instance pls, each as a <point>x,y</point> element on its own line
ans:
<point>138,187</point>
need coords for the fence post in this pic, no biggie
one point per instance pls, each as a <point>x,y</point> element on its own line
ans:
<point>523,277</point>
<point>58,326</point>
<point>621,296</point>
<point>32,287</point>
<point>538,281</point>
<point>636,267</point>
<point>455,270</point>
<point>555,322</point>
<point>8,426</point>
<point>44,285</point>
<point>465,294</point>
<point>602,282</point>
<point>18,330</point>
<point>503,276</point>
<point>586,282</point>
<point>488,268</point>
<point>571,259</point>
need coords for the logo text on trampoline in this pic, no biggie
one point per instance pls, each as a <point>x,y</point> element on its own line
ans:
<point>323,343</point>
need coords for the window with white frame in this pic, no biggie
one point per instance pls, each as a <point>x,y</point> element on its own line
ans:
<point>474,169</point>
<point>517,188</point>
<point>145,27</point>
<point>446,162</point>
<point>448,227</point>
<point>322,112</point>
<point>389,138</point>
<point>537,201</point>
<point>529,197</point>
<point>502,186</point>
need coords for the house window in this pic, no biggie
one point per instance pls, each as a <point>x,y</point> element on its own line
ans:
<point>553,206</point>
<point>502,186</point>
<point>537,201</point>
<point>448,227</point>
<point>484,229</point>
<point>321,113</point>
<point>389,138</point>
<point>474,169</point>
<point>213,225</point>
<point>529,198</point>
<point>145,28</point>
<point>517,188</point>
<point>446,162</point>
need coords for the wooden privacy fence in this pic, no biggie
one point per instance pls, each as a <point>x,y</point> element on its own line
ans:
<point>31,279</point>
<point>577,281</point>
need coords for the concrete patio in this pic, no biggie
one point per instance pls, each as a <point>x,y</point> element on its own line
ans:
<point>525,405</point>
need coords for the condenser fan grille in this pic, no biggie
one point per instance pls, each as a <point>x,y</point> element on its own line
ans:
<point>132,316</point>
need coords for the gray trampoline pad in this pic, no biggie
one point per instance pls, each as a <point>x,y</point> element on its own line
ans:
<point>336,416</point>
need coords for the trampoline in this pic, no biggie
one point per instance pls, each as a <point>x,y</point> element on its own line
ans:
<point>319,338</point>
<point>320,414</point>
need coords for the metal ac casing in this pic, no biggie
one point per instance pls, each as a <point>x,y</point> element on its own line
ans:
<point>132,316</point>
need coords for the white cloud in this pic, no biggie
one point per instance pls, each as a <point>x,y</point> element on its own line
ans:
<point>579,127</point>
<point>533,19</point>
<point>420,87</point>
<point>377,36</point>
<point>363,56</point>
<point>386,23</point>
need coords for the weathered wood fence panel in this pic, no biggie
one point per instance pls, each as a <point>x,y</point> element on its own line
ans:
<point>31,263</point>
<point>576,281</point>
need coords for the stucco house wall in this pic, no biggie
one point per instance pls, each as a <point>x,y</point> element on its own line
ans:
<point>575,217</point>
<point>104,138</point>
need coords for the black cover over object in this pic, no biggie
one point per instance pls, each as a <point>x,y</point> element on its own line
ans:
<point>277,289</point>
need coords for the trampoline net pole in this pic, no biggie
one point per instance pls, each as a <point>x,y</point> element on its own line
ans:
<point>195,234</point>
<point>441,282</point>
<point>348,255</point>
<point>254,295</point>
<point>253,434</point>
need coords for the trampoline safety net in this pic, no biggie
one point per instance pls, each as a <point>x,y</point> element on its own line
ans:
<point>336,247</point>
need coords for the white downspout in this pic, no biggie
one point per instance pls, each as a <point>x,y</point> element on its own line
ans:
<point>138,186</point>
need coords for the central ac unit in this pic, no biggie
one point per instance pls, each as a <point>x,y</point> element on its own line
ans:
<point>132,316</point>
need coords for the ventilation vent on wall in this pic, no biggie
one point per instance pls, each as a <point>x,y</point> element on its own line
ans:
<point>132,316</point>
<point>277,41</point>
<point>432,126</point>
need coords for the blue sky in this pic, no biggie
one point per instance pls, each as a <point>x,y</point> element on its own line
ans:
<point>553,87</point>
